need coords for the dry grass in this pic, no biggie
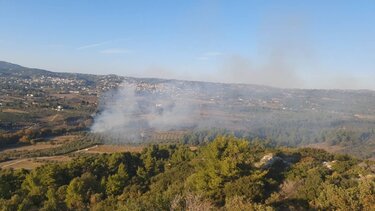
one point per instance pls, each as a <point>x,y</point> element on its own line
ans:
<point>10,110</point>
<point>327,147</point>
<point>31,163</point>
<point>65,138</point>
<point>37,146</point>
<point>57,141</point>
<point>113,149</point>
<point>168,135</point>
<point>53,118</point>
<point>365,117</point>
<point>70,96</point>
<point>193,148</point>
<point>20,164</point>
<point>59,158</point>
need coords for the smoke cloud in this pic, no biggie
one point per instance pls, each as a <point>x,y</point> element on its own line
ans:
<point>285,58</point>
<point>135,109</point>
<point>140,107</point>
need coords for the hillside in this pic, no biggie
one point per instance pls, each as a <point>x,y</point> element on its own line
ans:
<point>339,120</point>
<point>226,174</point>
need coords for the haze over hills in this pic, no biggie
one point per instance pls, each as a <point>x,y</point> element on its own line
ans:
<point>105,142</point>
<point>187,105</point>
<point>132,109</point>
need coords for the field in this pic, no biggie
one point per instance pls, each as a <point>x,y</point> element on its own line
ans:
<point>47,144</point>
<point>31,163</point>
<point>37,146</point>
<point>9,110</point>
<point>56,149</point>
<point>327,147</point>
<point>112,149</point>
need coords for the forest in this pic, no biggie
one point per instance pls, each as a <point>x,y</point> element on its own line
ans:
<point>227,173</point>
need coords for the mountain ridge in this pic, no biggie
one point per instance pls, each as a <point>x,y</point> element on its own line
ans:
<point>9,68</point>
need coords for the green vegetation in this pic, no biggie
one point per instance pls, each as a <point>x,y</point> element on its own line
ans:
<point>227,174</point>
<point>71,146</point>
<point>351,141</point>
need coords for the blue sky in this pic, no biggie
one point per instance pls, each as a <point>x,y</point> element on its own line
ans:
<point>303,44</point>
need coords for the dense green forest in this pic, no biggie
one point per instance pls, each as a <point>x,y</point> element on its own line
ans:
<point>225,174</point>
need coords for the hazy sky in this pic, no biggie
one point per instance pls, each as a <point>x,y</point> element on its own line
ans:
<point>306,44</point>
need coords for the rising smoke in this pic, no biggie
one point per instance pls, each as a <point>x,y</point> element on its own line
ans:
<point>140,108</point>
<point>135,109</point>
<point>285,59</point>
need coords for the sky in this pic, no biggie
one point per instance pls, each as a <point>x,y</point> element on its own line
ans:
<point>289,44</point>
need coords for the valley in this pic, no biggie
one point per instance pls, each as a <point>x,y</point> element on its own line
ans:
<point>37,106</point>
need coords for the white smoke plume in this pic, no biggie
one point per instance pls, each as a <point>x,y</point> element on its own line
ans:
<point>135,109</point>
